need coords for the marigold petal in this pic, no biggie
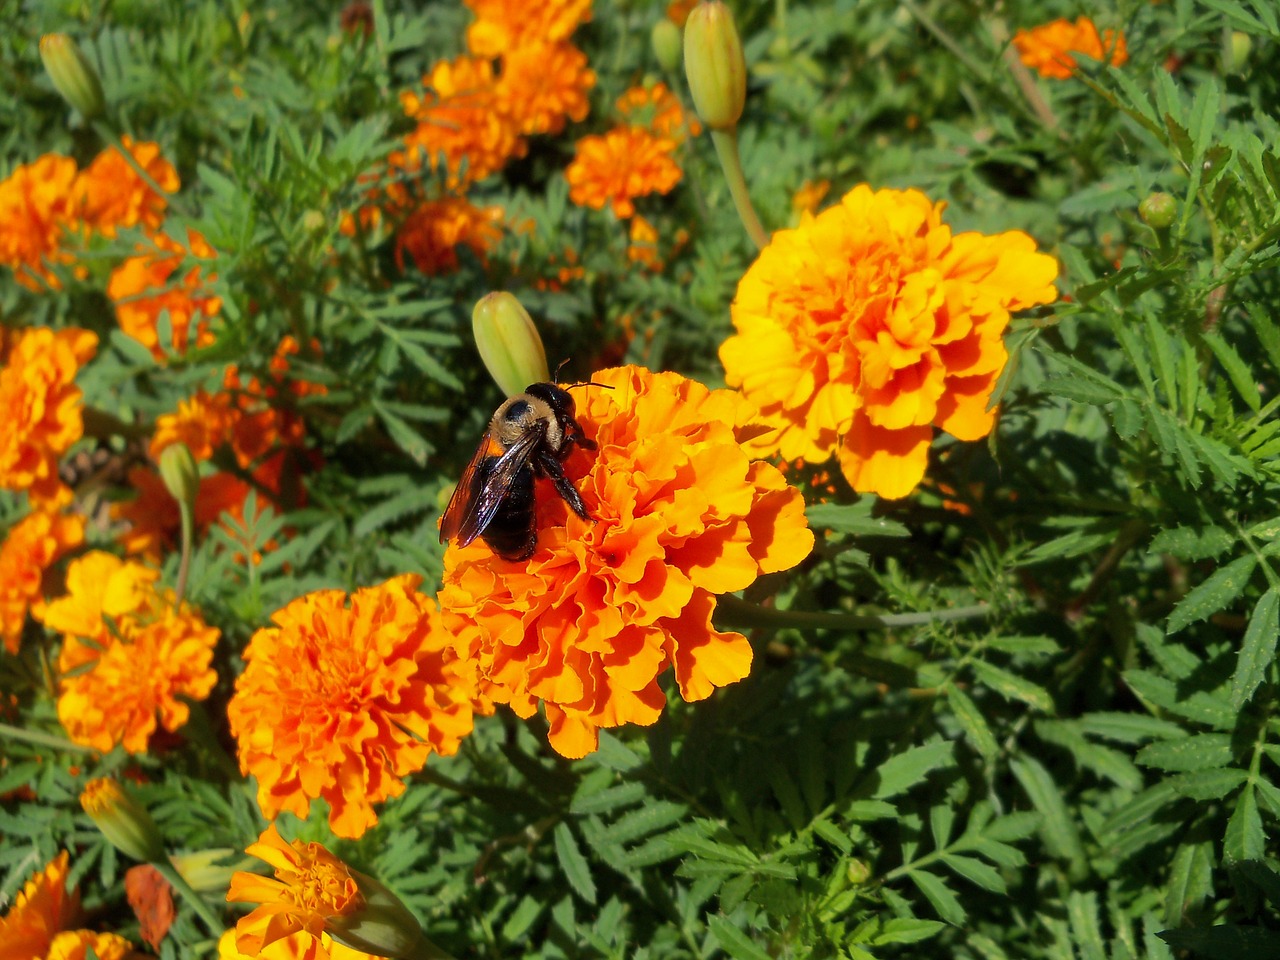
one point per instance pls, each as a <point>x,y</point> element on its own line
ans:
<point>705,658</point>
<point>889,463</point>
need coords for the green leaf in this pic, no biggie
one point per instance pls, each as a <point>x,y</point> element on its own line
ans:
<point>1258,650</point>
<point>976,872</point>
<point>940,895</point>
<point>1237,370</point>
<point>1203,751</point>
<point>574,864</point>
<point>1192,543</point>
<point>907,930</point>
<point>853,519</point>
<point>1208,784</point>
<point>899,773</point>
<point>973,722</point>
<point>1226,942</point>
<point>1057,825</point>
<point>1221,588</point>
<point>734,941</point>
<point>1129,727</point>
<point>1244,839</point>
<point>1013,687</point>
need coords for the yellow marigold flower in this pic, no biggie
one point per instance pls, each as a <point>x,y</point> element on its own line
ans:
<point>545,84</point>
<point>656,108</point>
<point>42,908</point>
<point>432,234</point>
<point>37,206</point>
<point>75,945</point>
<point>116,679</point>
<point>462,118</point>
<point>625,163</point>
<point>868,325</point>
<point>1049,48</point>
<point>810,194</point>
<point>345,696</point>
<point>111,195</point>
<point>505,25</point>
<point>32,545</point>
<point>145,286</point>
<point>590,621</point>
<point>42,407</point>
<point>297,946</point>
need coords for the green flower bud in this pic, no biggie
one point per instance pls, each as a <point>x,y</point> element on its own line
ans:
<point>1239,49</point>
<point>509,343</point>
<point>382,926</point>
<point>203,871</point>
<point>666,44</point>
<point>180,474</point>
<point>123,820</point>
<point>715,66</point>
<point>1158,210</point>
<point>72,74</point>
<point>857,872</point>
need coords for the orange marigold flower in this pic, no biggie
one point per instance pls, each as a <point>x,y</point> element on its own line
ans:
<point>868,325</point>
<point>145,286</point>
<point>42,407</point>
<point>37,206</point>
<point>462,118</point>
<point>1049,48</point>
<point>544,85</point>
<point>643,248</point>
<point>111,195</point>
<point>117,678</point>
<point>42,908</point>
<point>505,25</point>
<point>297,946</point>
<point>656,108</point>
<point>625,163</point>
<point>75,945</point>
<point>33,545</point>
<point>434,231</point>
<point>345,696</point>
<point>590,621</point>
<point>203,422</point>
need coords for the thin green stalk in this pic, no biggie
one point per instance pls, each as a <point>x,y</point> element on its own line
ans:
<point>186,512</point>
<point>198,903</point>
<point>726,142</point>
<point>734,611</point>
<point>43,739</point>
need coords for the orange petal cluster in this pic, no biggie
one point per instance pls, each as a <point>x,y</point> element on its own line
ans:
<point>48,202</point>
<point>40,911</point>
<point>32,545</point>
<point>145,286</point>
<point>432,234</point>
<point>589,623</point>
<point>870,324</point>
<point>657,109</point>
<point>42,407</point>
<point>76,944</point>
<point>504,25</point>
<point>311,887</point>
<point>127,654</point>
<point>344,696</point>
<point>616,168</point>
<point>1049,49</point>
<point>297,946</point>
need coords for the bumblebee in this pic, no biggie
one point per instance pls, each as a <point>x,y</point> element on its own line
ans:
<point>528,437</point>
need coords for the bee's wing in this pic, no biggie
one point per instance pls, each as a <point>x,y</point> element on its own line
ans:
<point>484,485</point>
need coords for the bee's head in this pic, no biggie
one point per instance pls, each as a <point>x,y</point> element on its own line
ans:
<point>557,398</point>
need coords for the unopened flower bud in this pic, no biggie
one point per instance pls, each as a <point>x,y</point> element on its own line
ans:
<point>666,44</point>
<point>123,820</point>
<point>72,74</point>
<point>857,872</point>
<point>1157,211</point>
<point>715,66</point>
<point>509,343</point>
<point>1239,49</point>
<point>382,925</point>
<point>202,869</point>
<point>180,474</point>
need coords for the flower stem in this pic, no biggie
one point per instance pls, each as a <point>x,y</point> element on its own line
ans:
<point>184,565</point>
<point>726,142</point>
<point>43,739</point>
<point>735,611</point>
<point>198,903</point>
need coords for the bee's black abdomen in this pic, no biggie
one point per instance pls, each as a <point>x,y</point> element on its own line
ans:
<point>512,533</point>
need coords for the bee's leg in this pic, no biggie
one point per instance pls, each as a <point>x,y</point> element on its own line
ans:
<point>549,466</point>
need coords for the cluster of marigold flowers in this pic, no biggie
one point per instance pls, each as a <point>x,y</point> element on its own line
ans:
<point>1050,49</point>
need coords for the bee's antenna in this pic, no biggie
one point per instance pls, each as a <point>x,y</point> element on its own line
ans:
<point>588,383</point>
<point>561,367</point>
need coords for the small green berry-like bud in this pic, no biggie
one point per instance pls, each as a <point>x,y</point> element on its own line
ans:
<point>180,474</point>
<point>72,74</point>
<point>509,343</point>
<point>1240,47</point>
<point>666,44</point>
<point>1158,210</point>
<point>715,66</point>
<point>123,820</point>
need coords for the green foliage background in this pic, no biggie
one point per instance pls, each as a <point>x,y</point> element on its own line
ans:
<point>1087,772</point>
